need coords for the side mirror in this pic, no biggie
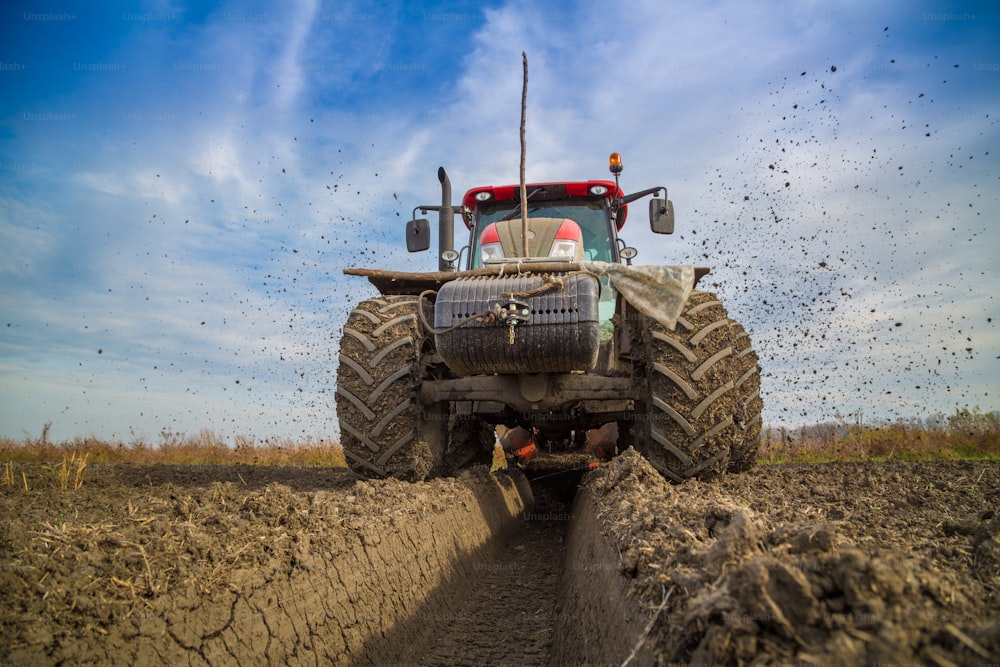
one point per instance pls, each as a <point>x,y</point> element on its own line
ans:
<point>418,235</point>
<point>661,216</point>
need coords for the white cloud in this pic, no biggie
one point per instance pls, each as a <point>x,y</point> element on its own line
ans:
<point>25,237</point>
<point>289,75</point>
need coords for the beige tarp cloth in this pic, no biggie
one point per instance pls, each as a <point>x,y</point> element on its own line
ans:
<point>656,291</point>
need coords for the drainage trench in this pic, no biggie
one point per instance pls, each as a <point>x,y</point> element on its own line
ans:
<point>507,610</point>
<point>550,591</point>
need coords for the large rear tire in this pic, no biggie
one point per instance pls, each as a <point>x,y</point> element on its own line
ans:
<point>684,423</point>
<point>383,429</point>
<point>470,443</point>
<point>749,403</point>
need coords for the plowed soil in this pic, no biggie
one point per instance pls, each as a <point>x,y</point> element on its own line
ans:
<point>830,564</point>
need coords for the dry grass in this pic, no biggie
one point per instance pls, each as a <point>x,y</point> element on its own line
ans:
<point>71,457</point>
<point>73,466</point>
<point>964,435</point>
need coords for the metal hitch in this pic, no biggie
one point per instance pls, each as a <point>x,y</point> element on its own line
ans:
<point>515,312</point>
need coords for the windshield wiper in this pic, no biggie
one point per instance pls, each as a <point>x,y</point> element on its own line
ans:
<point>517,209</point>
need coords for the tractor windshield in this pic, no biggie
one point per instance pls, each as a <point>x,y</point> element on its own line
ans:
<point>590,215</point>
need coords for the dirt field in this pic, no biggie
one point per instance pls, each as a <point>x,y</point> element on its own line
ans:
<point>829,564</point>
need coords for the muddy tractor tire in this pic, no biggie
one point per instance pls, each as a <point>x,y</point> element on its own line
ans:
<point>383,429</point>
<point>749,403</point>
<point>685,423</point>
<point>470,443</point>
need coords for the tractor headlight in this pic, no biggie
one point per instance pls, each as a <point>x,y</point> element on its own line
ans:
<point>563,248</point>
<point>567,241</point>
<point>490,252</point>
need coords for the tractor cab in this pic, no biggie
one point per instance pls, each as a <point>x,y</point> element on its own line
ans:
<point>598,207</point>
<point>587,204</point>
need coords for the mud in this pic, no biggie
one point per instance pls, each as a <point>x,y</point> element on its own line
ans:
<point>161,565</point>
<point>817,564</point>
<point>834,564</point>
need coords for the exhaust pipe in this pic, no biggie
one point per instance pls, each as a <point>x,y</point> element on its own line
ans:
<point>446,222</point>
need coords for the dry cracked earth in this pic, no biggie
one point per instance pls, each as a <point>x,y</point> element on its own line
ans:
<point>826,564</point>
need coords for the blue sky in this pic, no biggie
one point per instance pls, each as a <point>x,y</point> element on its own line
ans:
<point>181,186</point>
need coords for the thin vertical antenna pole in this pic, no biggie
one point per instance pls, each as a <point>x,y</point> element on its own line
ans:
<point>524,191</point>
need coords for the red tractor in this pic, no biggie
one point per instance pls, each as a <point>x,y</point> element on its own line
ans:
<point>548,340</point>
